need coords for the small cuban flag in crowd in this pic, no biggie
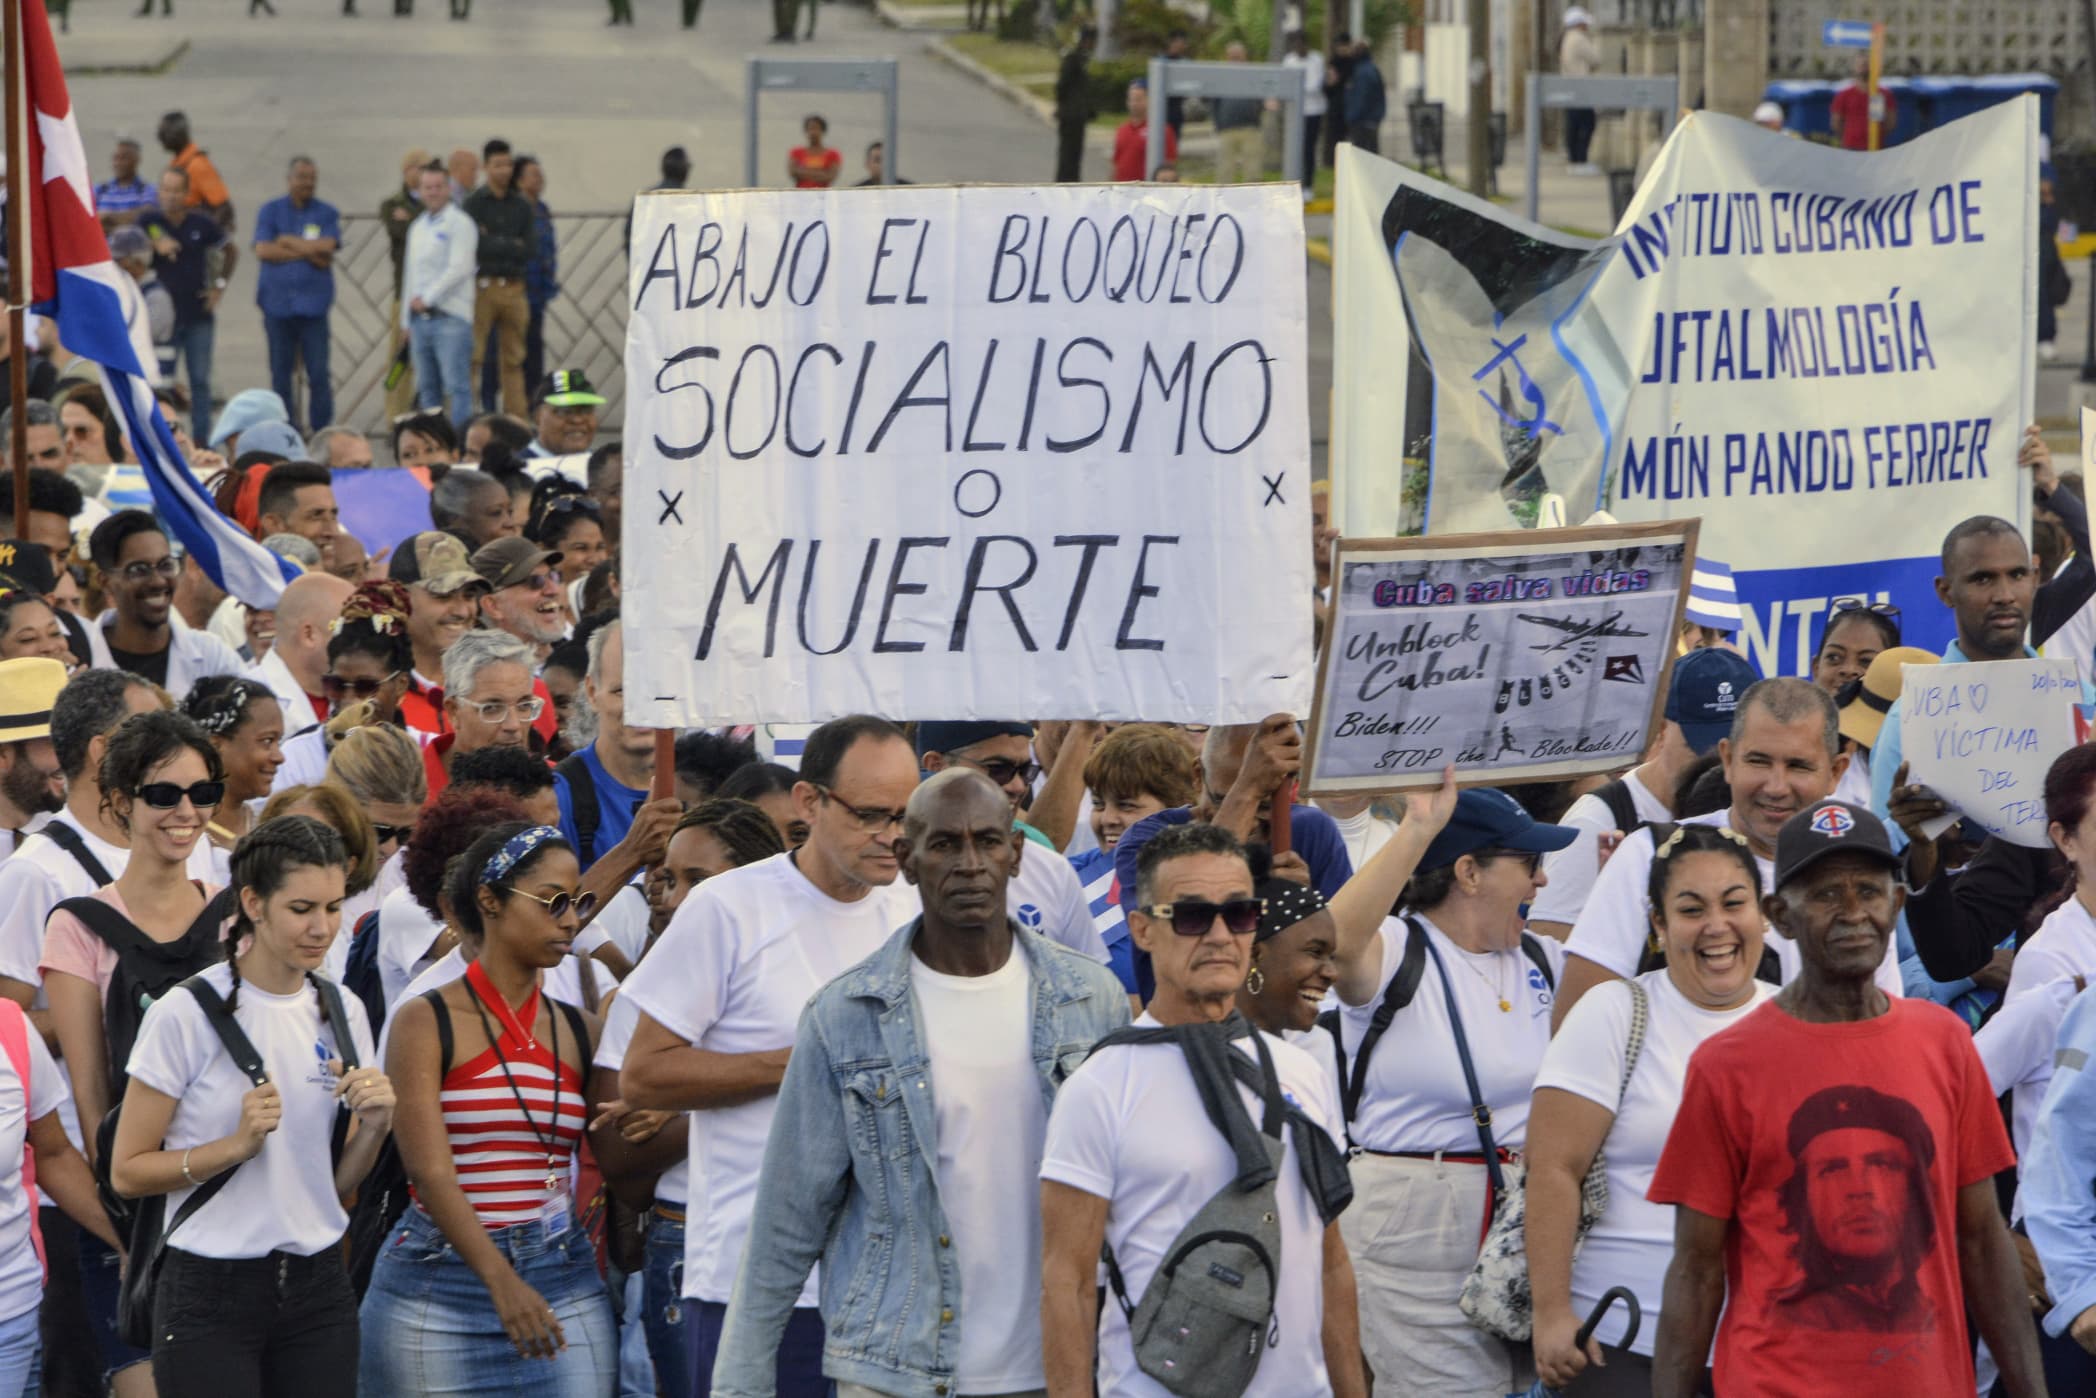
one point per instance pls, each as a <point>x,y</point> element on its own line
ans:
<point>73,281</point>
<point>1713,601</point>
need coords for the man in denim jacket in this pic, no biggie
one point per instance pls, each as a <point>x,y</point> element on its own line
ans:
<point>907,1141</point>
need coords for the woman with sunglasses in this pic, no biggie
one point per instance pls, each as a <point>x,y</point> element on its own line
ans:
<point>382,768</point>
<point>246,725</point>
<point>1463,980</point>
<point>643,1153</point>
<point>369,661</point>
<point>252,1300</point>
<point>161,781</point>
<point>488,1284</point>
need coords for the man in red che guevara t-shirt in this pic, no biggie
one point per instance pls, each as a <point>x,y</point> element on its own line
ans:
<point>1832,1165</point>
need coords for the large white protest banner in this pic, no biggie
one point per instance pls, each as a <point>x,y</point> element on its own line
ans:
<point>1981,735</point>
<point>1529,655</point>
<point>967,453</point>
<point>1824,354</point>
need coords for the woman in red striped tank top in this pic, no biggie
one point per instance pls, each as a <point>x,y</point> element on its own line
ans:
<point>488,1284</point>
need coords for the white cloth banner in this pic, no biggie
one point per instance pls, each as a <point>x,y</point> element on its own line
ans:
<point>967,453</point>
<point>1826,355</point>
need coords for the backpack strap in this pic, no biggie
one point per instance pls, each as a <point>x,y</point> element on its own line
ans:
<point>337,1018</point>
<point>582,805</point>
<point>118,932</point>
<point>578,1026</point>
<point>63,835</point>
<point>1621,807</point>
<point>1398,994</point>
<point>443,1014</point>
<point>1533,950</point>
<point>14,1042</point>
<point>238,1046</point>
<point>1479,1112</point>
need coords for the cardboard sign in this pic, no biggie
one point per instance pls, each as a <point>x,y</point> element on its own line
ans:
<point>967,453</point>
<point>1524,656</point>
<point>1981,735</point>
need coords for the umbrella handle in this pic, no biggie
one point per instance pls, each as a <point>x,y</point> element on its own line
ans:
<point>1601,1308</point>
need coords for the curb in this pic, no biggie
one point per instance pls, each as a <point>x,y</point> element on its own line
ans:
<point>1318,250</point>
<point>897,16</point>
<point>154,68</point>
<point>1043,112</point>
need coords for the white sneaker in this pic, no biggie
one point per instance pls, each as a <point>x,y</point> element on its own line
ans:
<point>1588,169</point>
<point>2047,351</point>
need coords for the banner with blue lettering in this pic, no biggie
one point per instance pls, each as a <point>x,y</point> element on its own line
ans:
<point>1825,355</point>
<point>968,453</point>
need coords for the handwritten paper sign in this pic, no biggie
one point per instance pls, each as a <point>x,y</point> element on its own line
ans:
<point>967,453</point>
<point>1534,655</point>
<point>1982,734</point>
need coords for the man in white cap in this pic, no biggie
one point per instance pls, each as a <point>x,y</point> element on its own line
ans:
<point>1578,56</point>
<point>1769,117</point>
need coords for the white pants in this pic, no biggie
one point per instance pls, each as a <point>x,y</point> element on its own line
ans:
<point>1413,1232</point>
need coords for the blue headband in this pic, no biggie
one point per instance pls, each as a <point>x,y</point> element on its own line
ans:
<point>514,850</point>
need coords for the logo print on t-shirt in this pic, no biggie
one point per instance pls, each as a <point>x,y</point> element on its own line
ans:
<point>1860,1205</point>
<point>1832,821</point>
<point>1029,917</point>
<point>322,1075</point>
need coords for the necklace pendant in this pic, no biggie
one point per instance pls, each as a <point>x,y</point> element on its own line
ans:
<point>1505,1008</point>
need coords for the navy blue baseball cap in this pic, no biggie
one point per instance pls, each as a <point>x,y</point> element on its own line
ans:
<point>1488,818</point>
<point>1704,695</point>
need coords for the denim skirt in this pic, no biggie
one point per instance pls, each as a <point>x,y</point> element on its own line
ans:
<point>430,1328</point>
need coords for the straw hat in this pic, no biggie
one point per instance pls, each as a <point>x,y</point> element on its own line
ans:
<point>1864,703</point>
<point>28,688</point>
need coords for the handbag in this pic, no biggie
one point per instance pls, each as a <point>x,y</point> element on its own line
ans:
<point>1496,1296</point>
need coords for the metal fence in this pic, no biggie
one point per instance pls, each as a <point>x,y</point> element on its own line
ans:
<point>1932,36</point>
<point>585,324</point>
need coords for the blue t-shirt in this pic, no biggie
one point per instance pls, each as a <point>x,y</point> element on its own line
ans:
<point>295,288</point>
<point>616,803</point>
<point>1095,870</point>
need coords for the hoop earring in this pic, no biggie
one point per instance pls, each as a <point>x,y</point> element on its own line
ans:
<point>1256,982</point>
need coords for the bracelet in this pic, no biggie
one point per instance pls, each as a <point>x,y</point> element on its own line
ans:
<point>193,1180</point>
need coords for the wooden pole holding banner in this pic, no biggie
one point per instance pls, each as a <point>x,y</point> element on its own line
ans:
<point>17,261</point>
<point>1875,97</point>
<point>1279,826</point>
<point>663,783</point>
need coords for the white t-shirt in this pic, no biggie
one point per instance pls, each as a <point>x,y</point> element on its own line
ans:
<point>731,974</point>
<point>977,1033</point>
<point>2063,945</point>
<point>1128,1128</point>
<point>2016,1046</point>
<point>283,1200</point>
<point>1854,786</point>
<point>674,1184</point>
<point>1612,929</point>
<point>1044,896</point>
<point>1633,1241</point>
<point>1313,65</point>
<point>21,1275</point>
<point>1414,1097</point>
<point>405,932</point>
<point>1365,832</point>
<point>1574,868</point>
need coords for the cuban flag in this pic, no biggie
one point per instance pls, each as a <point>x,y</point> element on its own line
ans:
<point>73,281</point>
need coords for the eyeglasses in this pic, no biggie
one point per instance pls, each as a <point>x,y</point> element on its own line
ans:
<point>870,819</point>
<point>336,687</point>
<point>1193,917</point>
<point>1001,771</point>
<point>165,796</point>
<point>557,906</point>
<point>539,581</point>
<point>496,710</point>
<point>1529,858</point>
<point>388,834</point>
<point>140,571</point>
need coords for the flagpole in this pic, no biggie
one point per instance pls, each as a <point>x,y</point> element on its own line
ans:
<point>17,261</point>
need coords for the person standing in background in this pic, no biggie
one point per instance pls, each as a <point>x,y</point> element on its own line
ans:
<point>1237,128</point>
<point>1578,56</point>
<point>121,199</point>
<point>1366,102</point>
<point>206,190</point>
<point>295,239</point>
<point>542,272</point>
<point>396,213</point>
<point>1312,63</point>
<point>501,311</point>
<point>814,165</point>
<point>194,258</point>
<point>437,294</point>
<point>1073,106</point>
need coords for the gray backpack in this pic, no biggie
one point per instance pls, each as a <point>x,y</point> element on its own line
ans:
<point>1207,1316</point>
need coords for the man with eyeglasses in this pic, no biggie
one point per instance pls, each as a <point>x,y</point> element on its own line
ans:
<point>721,994</point>
<point>962,1000</point>
<point>1134,1147</point>
<point>1043,894</point>
<point>523,596</point>
<point>298,658</point>
<point>489,700</point>
<point>145,636</point>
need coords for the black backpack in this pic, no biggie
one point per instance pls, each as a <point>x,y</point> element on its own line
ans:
<point>1622,809</point>
<point>1398,994</point>
<point>582,805</point>
<point>360,975</point>
<point>68,839</point>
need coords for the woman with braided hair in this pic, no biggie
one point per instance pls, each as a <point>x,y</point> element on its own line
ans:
<point>369,661</point>
<point>246,725</point>
<point>252,1299</point>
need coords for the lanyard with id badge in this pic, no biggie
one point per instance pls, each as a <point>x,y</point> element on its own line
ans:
<point>555,1213</point>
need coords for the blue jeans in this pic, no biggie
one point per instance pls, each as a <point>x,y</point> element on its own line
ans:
<point>430,1328</point>
<point>800,1351</point>
<point>443,346</point>
<point>193,345</point>
<point>21,1355</point>
<point>301,338</point>
<point>663,1307</point>
<point>100,1285</point>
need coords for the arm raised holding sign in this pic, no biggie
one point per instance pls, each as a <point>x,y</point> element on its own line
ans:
<point>1371,894</point>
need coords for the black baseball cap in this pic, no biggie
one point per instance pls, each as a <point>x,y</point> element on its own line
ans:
<point>28,566</point>
<point>1830,827</point>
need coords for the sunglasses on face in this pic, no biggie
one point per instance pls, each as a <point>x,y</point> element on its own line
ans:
<point>165,796</point>
<point>1526,858</point>
<point>557,906</point>
<point>1193,917</point>
<point>140,571</point>
<point>1000,771</point>
<point>337,687</point>
<point>389,834</point>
